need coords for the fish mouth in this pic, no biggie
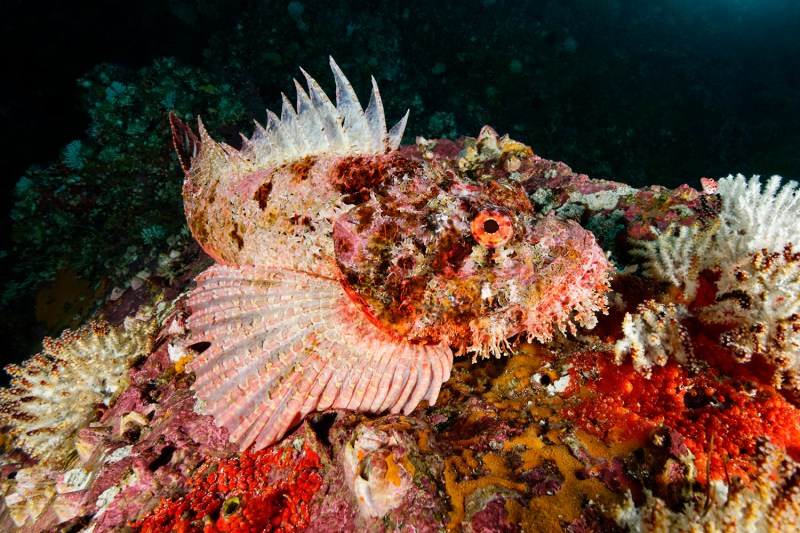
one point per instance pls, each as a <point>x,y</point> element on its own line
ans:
<point>492,334</point>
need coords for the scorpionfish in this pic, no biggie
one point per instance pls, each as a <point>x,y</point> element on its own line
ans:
<point>348,275</point>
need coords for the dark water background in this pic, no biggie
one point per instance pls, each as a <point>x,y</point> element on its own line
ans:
<point>643,92</point>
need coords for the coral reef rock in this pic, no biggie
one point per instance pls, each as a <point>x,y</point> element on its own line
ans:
<point>343,274</point>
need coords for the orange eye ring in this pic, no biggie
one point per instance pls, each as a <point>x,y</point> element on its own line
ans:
<point>492,228</point>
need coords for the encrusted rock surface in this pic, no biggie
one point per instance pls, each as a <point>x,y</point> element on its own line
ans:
<point>556,436</point>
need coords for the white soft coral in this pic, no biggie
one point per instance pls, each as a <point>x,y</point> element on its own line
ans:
<point>750,220</point>
<point>55,393</point>
<point>751,250</point>
<point>652,335</point>
<point>761,293</point>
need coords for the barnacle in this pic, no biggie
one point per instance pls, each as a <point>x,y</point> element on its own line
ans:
<point>377,469</point>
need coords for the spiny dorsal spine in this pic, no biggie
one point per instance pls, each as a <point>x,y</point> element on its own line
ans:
<point>316,126</point>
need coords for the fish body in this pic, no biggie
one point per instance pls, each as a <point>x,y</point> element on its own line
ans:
<point>347,272</point>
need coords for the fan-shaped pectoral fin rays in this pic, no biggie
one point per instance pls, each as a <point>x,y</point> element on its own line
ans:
<point>285,343</point>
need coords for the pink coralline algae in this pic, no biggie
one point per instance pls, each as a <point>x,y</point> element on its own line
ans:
<point>346,271</point>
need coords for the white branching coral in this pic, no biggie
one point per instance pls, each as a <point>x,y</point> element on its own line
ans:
<point>678,255</point>
<point>751,250</point>
<point>761,292</point>
<point>56,392</point>
<point>652,335</point>
<point>770,503</point>
<point>751,219</point>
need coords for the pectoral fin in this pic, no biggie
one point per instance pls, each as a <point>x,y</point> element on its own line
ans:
<point>283,344</point>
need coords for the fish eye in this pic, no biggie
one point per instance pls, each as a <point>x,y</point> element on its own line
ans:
<point>492,227</point>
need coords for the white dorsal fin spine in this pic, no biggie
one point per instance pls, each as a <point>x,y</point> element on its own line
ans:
<point>316,126</point>
<point>296,142</point>
<point>396,133</point>
<point>310,124</point>
<point>328,114</point>
<point>350,109</point>
<point>375,119</point>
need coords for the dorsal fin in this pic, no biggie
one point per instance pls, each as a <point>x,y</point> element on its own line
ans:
<point>316,126</point>
<point>186,143</point>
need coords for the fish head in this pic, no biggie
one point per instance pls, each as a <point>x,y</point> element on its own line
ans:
<point>435,256</point>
